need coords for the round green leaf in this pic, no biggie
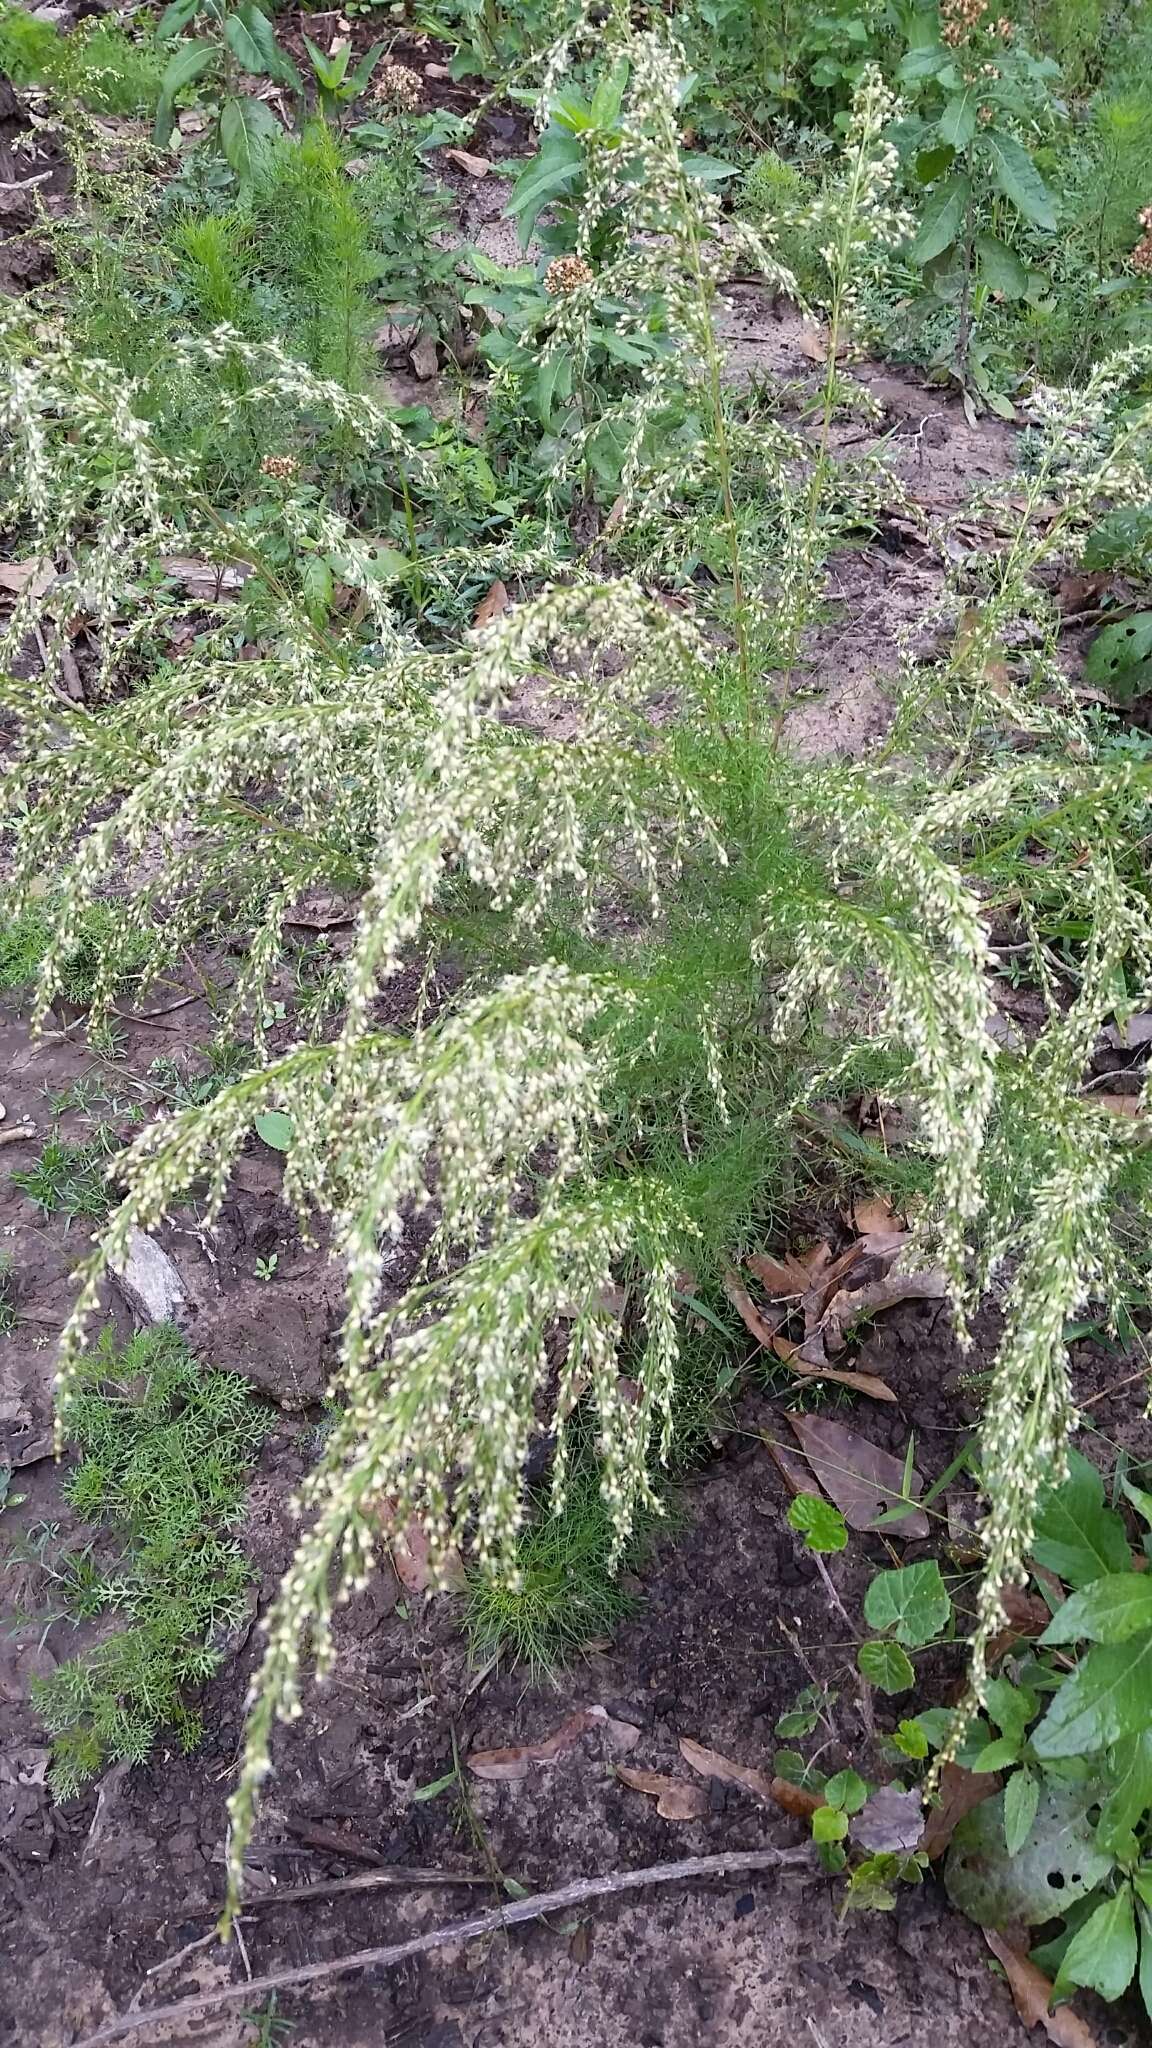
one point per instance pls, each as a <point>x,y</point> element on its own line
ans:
<point>275,1128</point>
<point>822,1526</point>
<point>912,1602</point>
<point>886,1665</point>
<point>829,1824</point>
<point>1057,1864</point>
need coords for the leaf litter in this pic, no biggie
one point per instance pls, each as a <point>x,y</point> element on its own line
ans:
<point>509,1766</point>
<point>864,1481</point>
<point>1031,1991</point>
<point>675,1798</point>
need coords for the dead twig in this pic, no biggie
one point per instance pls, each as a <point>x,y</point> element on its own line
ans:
<point>575,1894</point>
<point>18,1134</point>
<point>365,1881</point>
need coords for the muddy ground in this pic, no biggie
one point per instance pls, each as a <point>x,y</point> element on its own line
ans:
<point>110,1898</point>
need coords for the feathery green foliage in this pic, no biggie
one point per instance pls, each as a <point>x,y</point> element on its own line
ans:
<point>669,931</point>
<point>164,1446</point>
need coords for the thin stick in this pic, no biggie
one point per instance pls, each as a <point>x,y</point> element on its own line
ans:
<point>365,1881</point>
<point>574,1894</point>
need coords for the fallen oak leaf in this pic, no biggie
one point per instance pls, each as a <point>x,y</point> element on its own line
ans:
<point>864,1481</point>
<point>1031,1991</point>
<point>959,1792</point>
<point>675,1799</point>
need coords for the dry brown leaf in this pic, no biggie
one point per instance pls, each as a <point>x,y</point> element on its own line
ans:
<point>864,1482</point>
<point>425,358</point>
<point>876,1216</point>
<point>37,575</point>
<point>787,1276</point>
<point>510,1765</point>
<point>792,1469</point>
<point>1031,1991</point>
<point>437,71</point>
<point>960,1792</point>
<point>851,1302</point>
<point>411,1555</point>
<point>675,1799</point>
<point>204,579</point>
<point>1026,1613</point>
<point>1135,1031</point>
<point>812,343</point>
<point>795,1799</point>
<point>494,601</point>
<point>889,1822</point>
<point>1118,1105</point>
<point>773,1791</point>
<point>476,166</point>
<point>748,1312</point>
<point>793,1356</point>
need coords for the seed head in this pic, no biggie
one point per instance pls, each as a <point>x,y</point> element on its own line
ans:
<point>397,85</point>
<point>282,467</point>
<point>1141,257</point>
<point>566,274</point>
<point>958,19</point>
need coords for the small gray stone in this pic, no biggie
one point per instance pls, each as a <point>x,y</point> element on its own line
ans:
<point>150,1282</point>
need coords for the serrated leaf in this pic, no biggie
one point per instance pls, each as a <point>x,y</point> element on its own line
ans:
<point>1146,1958</point>
<point>1021,1798</point>
<point>1059,1863</point>
<point>1076,1536</point>
<point>1105,1699</point>
<point>1130,1796</point>
<point>886,1666</point>
<point>1101,1955</point>
<point>318,588</point>
<point>942,220</point>
<point>261,38</point>
<point>175,19</point>
<point>247,129</point>
<point>1108,1611</point>
<point>275,1128</point>
<point>1010,1706</point>
<point>912,1602</point>
<point>822,1526</point>
<point>1000,267</point>
<point>189,62</point>
<point>996,1756</point>
<point>958,121</point>
<point>923,63</point>
<point>1018,178</point>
